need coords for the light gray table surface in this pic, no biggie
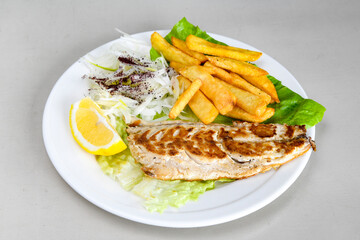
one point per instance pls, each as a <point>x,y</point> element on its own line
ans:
<point>317,41</point>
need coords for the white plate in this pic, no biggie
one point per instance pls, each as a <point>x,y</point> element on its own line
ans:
<point>83,174</point>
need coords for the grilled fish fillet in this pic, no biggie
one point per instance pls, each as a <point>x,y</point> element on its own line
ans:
<point>175,150</point>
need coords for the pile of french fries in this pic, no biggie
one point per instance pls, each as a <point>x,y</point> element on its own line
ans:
<point>218,79</point>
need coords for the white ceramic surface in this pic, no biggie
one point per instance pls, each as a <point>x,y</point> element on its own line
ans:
<point>82,173</point>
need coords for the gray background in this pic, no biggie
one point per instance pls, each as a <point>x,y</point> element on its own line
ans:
<point>317,41</point>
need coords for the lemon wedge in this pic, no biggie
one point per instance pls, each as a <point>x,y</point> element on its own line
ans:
<point>92,129</point>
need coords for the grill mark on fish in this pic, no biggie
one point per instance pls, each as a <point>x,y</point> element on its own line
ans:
<point>263,131</point>
<point>194,151</point>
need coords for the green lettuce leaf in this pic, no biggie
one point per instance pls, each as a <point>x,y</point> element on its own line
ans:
<point>183,28</point>
<point>159,195</point>
<point>294,109</point>
<point>154,54</point>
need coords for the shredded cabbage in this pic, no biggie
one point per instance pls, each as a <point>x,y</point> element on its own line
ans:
<point>138,87</point>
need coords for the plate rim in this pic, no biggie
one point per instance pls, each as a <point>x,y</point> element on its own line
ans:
<point>165,223</point>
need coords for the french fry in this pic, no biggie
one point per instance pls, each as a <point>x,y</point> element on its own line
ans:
<point>180,44</point>
<point>177,66</point>
<point>264,84</point>
<point>237,81</point>
<point>249,102</point>
<point>201,45</point>
<point>170,52</point>
<point>217,72</point>
<point>199,104</point>
<point>223,99</point>
<point>184,98</point>
<point>239,113</point>
<point>242,68</point>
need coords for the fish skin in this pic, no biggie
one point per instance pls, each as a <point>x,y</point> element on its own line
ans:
<point>177,150</point>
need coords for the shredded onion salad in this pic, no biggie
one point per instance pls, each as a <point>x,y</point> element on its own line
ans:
<point>125,82</point>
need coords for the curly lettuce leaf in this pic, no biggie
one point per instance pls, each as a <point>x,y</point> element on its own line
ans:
<point>183,28</point>
<point>154,54</point>
<point>159,194</point>
<point>294,109</point>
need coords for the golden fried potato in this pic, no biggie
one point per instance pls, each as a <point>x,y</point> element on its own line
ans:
<point>201,45</point>
<point>184,98</point>
<point>170,52</point>
<point>223,99</point>
<point>249,102</point>
<point>199,104</point>
<point>239,113</point>
<point>177,66</point>
<point>180,44</point>
<point>264,84</point>
<point>242,68</point>
<point>217,72</point>
<point>237,81</point>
